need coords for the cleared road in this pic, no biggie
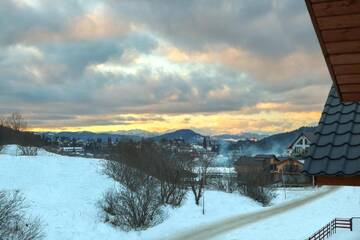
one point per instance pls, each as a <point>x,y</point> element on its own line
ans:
<point>217,228</point>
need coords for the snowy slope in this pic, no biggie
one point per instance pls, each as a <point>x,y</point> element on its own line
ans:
<point>300,223</point>
<point>64,191</point>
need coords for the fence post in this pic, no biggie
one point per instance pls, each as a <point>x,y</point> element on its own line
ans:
<point>351,224</point>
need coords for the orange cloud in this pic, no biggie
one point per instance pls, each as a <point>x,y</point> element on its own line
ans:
<point>296,64</point>
<point>94,24</point>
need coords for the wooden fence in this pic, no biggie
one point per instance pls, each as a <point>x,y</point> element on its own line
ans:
<point>330,228</point>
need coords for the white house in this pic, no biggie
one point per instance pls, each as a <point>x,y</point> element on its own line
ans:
<point>300,146</point>
<point>72,150</point>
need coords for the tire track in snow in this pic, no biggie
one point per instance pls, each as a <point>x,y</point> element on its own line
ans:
<point>215,229</point>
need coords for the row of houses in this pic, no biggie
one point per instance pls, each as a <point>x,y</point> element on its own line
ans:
<point>286,170</point>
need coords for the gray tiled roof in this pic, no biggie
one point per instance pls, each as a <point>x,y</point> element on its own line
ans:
<point>310,136</point>
<point>336,150</point>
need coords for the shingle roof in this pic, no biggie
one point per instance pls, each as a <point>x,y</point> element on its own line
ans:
<point>336,150</point>
<point>310,136</point>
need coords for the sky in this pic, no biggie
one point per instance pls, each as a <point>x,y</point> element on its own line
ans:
<point>215,66</point>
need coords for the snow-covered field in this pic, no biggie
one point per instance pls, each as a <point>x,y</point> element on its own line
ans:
<point>64,192</point>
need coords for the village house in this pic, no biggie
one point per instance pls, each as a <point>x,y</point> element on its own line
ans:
<point>290,169</point>
<point>259,163</point>
<point>301,144</point>
<point>71,150</point>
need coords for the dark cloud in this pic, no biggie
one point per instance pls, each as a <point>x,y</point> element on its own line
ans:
<point>17,19</point>
<point>268,28</point>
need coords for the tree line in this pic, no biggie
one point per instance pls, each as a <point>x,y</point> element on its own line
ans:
<point>13,131</point>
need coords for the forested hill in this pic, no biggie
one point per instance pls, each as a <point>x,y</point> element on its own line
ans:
<point>10,136</point>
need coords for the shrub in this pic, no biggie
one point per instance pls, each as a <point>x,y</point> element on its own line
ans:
<point>14,225</point>
<point>172,193</point>
<point>137,204</point>
<point>28,151</point>
<point>258,186</point>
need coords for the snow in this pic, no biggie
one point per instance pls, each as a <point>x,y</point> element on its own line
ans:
<point>301,223</point>
<point>63,191</point>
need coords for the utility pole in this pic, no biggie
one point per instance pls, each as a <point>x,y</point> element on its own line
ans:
<point>203,193</point>
<point>283,180</point>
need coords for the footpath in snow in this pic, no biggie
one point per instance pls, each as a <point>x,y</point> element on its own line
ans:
<point>63,191</point>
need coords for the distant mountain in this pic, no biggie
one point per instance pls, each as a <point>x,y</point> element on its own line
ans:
<point>241,136</point>
<point>91,135</point>
<point>135,132</point>
<point>274,144</point>
<point>187,135</point>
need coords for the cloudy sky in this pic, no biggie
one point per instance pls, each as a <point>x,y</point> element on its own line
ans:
<point>210,65</point>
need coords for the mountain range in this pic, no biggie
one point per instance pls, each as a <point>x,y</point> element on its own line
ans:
<point>276,143</point>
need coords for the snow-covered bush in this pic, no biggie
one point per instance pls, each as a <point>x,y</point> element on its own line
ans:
<point>225,184</point>
<point>14,225</point>
<point>158,160</point>
<point>258,186</point>
<point>28,150</point>
<point>136,203</point>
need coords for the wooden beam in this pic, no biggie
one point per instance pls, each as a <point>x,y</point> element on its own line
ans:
<point>348,79</point>
<point>336,8</point>
<point>322,45</point>
<point>347,69</point>
<point>337,22</point>
<point>320,1</point>
<point>343,47</point>
<point>345,59</point>
<point>348,34</point>
<point>338,180</point>
<point>350,97</point>
<point>350,88</point>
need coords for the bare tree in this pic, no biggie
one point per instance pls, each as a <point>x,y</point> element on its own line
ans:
<point>2,121</point>
<point>159,160</point>
<point>171,171</point>
<point>136,203</point>
<point>258,186</point>
<point>16,122</point>
<point>197,180</point>
<point>13,222</point>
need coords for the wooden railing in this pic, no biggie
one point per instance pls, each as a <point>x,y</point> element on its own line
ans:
<point>330,228</point>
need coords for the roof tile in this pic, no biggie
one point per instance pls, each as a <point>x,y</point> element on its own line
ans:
<point>336,150</point>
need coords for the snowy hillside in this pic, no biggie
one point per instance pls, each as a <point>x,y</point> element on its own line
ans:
<point>63,191</point>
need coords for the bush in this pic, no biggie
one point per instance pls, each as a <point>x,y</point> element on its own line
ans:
<point>28,151</point>
<point>225,184</point>
<point>172,193</point>
<point>258,186</point>
<point>137,204</point>
<point>14,225</point>
<point>159,160</point>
